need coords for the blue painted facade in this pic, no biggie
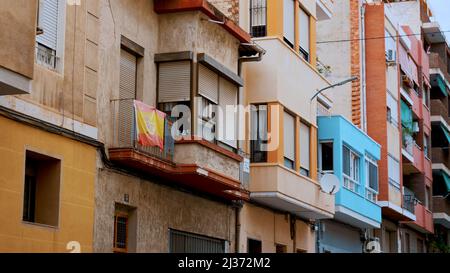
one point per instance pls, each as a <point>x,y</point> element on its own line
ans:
<point>342,132</point>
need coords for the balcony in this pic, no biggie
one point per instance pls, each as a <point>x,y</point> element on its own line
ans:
<point>441,211</point>
<point>17,52</point>
<point>424,220</point>
<point>416,165</point>
<point>432,32</point>
<point>195,165</point>
<point>438,108</point>
<point>441,156</point>
<point>356,203</point>
<point>276,186</point>
<point>438,63</point>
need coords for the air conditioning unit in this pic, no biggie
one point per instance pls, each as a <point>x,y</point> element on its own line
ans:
<point>372,245</point>
<point>415,127</point>
<point>391,57</point>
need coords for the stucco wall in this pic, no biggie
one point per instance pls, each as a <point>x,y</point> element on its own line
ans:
<point>76,205</point>
<point>18,29</point>
<point>273,228</point>
<point>158,208</point>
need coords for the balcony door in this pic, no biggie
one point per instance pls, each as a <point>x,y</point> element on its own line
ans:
<point>127,93</point>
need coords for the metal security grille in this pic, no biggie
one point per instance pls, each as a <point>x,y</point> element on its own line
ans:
<point>182,242</point>
<point>120,233</point>
<point>258,18</point>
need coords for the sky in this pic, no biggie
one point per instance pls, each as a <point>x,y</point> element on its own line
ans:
<point>441,11</point>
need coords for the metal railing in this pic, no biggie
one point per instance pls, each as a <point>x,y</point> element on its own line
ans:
<point>258,18</point>
<point>46,57</point>
<point>124,131</point>
<point>409,200</point>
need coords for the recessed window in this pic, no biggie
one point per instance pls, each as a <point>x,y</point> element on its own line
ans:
<point>254,246</point>
<point>326,157</point>
<point>124,229</point>
<point>304,29</point>
<point>258,18</point>
<point>289,141</point>
<point>305,142</point>
<point>259,133</point>
<point>41,189</point>
<point>50,33</point>
<point>289,22</point>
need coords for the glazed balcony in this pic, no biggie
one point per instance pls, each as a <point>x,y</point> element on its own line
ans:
<point>194,164</point>
<point>441,211</point>
<point>278,187</point>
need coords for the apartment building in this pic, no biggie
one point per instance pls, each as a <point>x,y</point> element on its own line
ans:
<point>285,196</point>
<point>184,196</point>
<point>439,53</point>
<point>48,136</point>
<point>345,148</point>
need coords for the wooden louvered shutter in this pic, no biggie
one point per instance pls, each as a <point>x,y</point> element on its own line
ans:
<point>48,21</point>
<point>127,93</point>
<point>228,94</point>
<point>174,82</point>
<point>208,84</point>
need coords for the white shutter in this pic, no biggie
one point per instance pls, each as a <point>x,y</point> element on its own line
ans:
<point>174,82</point>
<point>393,105</point>
<point>208,83</point>
<point>305,140</point>
<point>304,30</point>
<point>127,92</point>
<point>289,136</point>
<point>48,21</point>
<point>394,170</point>
<point>289,20</point>
<point>228,125</point>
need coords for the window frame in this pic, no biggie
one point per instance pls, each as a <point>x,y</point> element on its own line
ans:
<point>263,31</point>
<point>288,162</point>
<point>305,53</point>
<point>352,181</point>
<point>320,156</point>
<point>371,194</point>
<point>258,141</point>
<point>125,215</point>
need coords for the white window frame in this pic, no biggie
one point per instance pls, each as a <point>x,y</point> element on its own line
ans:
<point>371,194</point>
<point>352,182</point>
<point>60,42</point>
<point>390,179</point>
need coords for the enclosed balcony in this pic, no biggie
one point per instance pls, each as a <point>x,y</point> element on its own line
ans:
<point>18,20</point>
<point>195,165</point>
<point>352,156</point>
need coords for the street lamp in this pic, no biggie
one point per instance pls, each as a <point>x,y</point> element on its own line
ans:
<point>355,78</point>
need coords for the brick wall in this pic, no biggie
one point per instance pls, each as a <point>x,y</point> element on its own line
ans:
<point>355,46</point>
<point>228,7</point>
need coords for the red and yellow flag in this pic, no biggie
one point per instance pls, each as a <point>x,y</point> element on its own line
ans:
<point>149,125</point>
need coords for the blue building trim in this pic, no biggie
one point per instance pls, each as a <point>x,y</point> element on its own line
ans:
<point>342,132</point>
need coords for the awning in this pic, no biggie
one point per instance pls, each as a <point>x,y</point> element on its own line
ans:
<point>446,133</point>
<point>406,115</point>
<point>446,181</point>
<point>440,83</point>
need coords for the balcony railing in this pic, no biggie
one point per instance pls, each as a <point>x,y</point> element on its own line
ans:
<point>408,144</point>
<point>441,204</point>
<point>437,62</point>
<point>350,184</point>
<point>441,156</point>
<point>124,134</point>
<point>409,200</point>
<point>438,108</point>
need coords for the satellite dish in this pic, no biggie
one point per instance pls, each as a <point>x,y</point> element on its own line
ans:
<point>330,183</point>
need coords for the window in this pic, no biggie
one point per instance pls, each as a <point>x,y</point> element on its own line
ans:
<point>371,179</point>
<point>254,246</point>
<point>289,140</point>
<point>124,229</point>
<point>214,124</point>
<point>426,145</point>
<point>289,22</point>
<point>351,169</point>
<point>428,197</point>
<point>394,171</point>
<point>120,232</point>
<point>304,29</point>
<point>426,96</point>
<point>258,18</point>
<point>281,248</point>
<point>305,140</point>
<point>392,112</point>
<point>49,40</point>
<point>184,242</point>
<point>326,157</point>
<point>41,189</point>
<point>259,133</point>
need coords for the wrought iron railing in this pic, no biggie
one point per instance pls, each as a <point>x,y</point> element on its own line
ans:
<point>124,131</point>
<point>409,200</point>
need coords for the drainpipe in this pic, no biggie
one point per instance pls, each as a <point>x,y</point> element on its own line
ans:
<point>363,68</point>
<point>238,205</point>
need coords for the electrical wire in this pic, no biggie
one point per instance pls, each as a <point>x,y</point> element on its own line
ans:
<point>380,37</point>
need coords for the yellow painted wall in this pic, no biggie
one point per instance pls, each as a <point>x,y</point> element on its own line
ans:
<point>76,213</point>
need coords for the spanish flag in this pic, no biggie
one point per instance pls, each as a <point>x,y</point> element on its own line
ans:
<point>149,125</point>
